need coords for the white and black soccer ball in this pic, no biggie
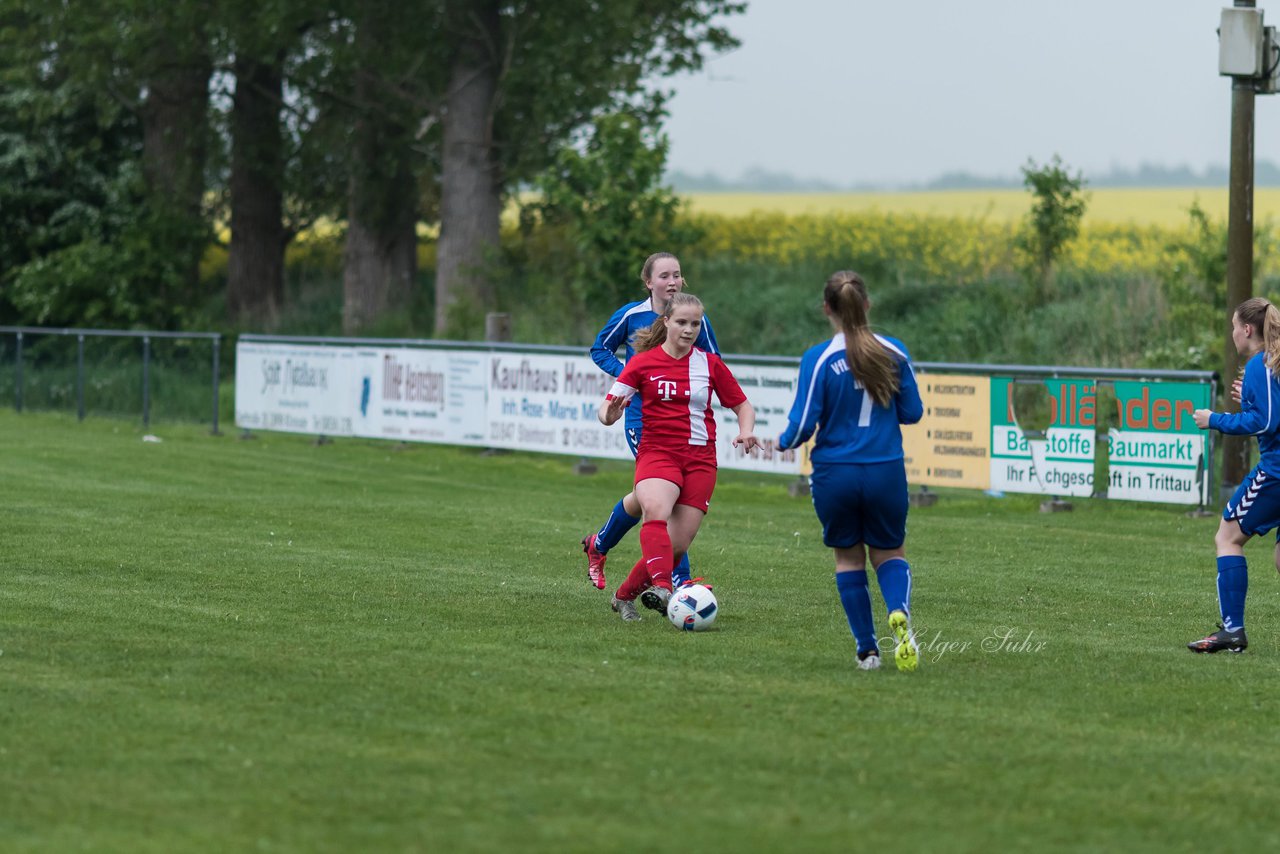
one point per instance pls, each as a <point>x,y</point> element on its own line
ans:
<point>692,608</point>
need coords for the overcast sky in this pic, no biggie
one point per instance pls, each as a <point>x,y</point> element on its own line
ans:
<point>897,92</point>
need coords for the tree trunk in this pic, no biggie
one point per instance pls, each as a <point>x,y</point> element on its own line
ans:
<point>174,147</point>
<point>255,263</point>
<point>380,259</point>
<point>380,262</point>
<point>471,187</point>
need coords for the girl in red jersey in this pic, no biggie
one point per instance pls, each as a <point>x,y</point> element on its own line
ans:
<point>676,461</point>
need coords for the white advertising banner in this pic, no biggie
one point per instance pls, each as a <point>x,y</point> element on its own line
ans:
<point>298,389</point>
<point>418,395</point>
<point>549,403</point>
<point>771,390</point>
<point>518,401</point>
<point>1059,464</point>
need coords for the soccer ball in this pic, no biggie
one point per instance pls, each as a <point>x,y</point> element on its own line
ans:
<point>692,608</point>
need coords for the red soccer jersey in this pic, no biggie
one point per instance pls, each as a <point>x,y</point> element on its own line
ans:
<point>675,395</point>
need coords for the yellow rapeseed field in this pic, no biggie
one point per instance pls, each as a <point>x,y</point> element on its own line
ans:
<point>1158,207</point>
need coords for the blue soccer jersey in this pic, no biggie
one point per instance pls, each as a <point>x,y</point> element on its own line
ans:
<point>851,426</point>
<point>1259,413</point>
<point>619,331</point>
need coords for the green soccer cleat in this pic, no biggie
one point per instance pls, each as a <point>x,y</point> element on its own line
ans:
<point>906,655</point>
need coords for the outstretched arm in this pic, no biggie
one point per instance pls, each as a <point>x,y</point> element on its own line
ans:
<point>746,426</point>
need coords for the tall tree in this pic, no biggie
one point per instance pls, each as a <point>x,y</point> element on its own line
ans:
<point>255,260</point>
<point>289,124</point>
<point>173,62</point>
<point>471,180</point>
<point>70,193</point>
<point>395,73</point>
<point>152,63</point>
<point>554,65</point>
<point>604,198</point>
<point>1057,209</point>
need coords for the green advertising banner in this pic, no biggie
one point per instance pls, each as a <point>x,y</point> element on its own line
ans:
<point>1060,463</point>
<point>1157,453</point>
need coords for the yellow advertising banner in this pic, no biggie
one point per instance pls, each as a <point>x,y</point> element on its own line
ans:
<point>951,446</point>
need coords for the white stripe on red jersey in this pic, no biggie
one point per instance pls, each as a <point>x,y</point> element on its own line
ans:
<point>676,394</point>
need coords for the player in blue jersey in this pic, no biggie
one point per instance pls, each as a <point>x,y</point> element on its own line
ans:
<point>1254,509</point>
<point>662,278</point>
<point>856,391</point>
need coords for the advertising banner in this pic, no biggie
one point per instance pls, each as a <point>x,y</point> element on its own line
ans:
<point>970,436</point>
<point>951,446</point>
<point>298,389</point>
<point>417,395</point>
<point>1060,463</point>
<point>771,390</point>
<point>549,404</point>
<point>1157,453</point>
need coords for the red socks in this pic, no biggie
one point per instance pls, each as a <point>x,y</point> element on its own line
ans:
<point>655,545</point>
<point>637,582</point>
<point>654,568</point>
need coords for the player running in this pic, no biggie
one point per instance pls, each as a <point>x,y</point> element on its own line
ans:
<point>661,276</point>
<point>856,391</point>
<point>1254,509</point>
<point>676,459</point>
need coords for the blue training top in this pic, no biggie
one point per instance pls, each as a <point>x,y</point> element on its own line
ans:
<point>852,427</point>
<point>1259,413</point>
<point>621,328</point>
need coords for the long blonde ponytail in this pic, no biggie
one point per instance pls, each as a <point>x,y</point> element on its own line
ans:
<point>869,362</point>
<point>1265,318</point>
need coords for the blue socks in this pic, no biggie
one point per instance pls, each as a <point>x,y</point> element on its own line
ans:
<point>894,576</point>
<point>857,607</point>
<point>1233,584</point>
<point>681,573</point>
<point>615,528</point>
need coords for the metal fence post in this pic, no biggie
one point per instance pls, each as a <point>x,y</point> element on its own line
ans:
<point>80,377</point>
<point>146,381</point>
<point>217,353</point>
<point>17,377</point>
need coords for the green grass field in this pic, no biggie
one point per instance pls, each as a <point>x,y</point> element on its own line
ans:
<point>216,644</point>
<point>1157,206</point>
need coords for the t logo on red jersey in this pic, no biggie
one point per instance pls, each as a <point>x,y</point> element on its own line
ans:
<point>667,388</point>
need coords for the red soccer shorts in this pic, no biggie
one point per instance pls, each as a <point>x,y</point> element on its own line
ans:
<point>693,470</point>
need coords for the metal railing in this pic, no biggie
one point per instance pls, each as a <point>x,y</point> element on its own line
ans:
<point>22,333</point>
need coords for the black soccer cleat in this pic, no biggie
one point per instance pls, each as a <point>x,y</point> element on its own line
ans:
<point>1221,641</point>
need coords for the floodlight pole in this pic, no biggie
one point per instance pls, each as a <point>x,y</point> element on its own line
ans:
<point>1235,449</point>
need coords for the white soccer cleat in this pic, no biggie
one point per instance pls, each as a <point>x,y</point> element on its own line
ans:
<point>626,610</point>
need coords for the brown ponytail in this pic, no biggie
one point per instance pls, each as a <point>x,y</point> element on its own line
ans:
<point>869,362</point>
<point>656,334</point>
<point>1265,318</point>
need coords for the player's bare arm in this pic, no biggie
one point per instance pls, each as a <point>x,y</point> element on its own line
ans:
<point>611,409</point>
<point>746,427</point>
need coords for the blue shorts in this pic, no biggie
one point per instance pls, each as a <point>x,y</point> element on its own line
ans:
<point>861,504</point>
<point>633,438</point>
<point>1256,504</point>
